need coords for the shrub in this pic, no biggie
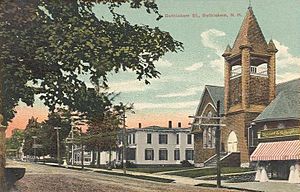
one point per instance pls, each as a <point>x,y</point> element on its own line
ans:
<point>130,164</point>
<point>186,163</point>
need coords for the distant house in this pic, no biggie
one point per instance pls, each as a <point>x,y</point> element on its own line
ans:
<point>88,157</point>
<point>156,145</point>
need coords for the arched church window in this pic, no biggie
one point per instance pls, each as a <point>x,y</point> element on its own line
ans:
<point>205,138</point>
<point>209,114</point>
<point>209,137</point>
<point>213,138</point>
<point>265,127</point>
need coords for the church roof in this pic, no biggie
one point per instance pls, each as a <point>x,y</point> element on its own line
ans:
<point>217,94</point>
<point>250,34</point>
<point>286,105</point>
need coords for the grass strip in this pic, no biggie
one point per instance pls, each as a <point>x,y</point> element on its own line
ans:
<point>158,169</point>
<point>143,177</point>
<point>209,171</point>
<point>225,187</point>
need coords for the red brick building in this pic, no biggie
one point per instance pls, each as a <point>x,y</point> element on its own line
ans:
<point>247,98</point>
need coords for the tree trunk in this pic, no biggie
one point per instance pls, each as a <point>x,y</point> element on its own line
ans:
<point>109,160</point>
<point>98,157</point>
<point>2,154</point>
<point>82,156</point>
<point>93,157</point>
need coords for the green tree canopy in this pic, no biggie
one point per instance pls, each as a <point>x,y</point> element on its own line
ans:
<point>16,140</point>
<point>47,46</point>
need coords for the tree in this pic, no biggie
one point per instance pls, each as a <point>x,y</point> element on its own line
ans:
<point>33,128</point>
<point>47,45</point>
<point>60,40</point>
<point>15,141</point>
<point>103,130</point>
<point>48,134</point>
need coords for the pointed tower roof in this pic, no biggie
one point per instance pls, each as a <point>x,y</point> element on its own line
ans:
<point>272,47</point>
<point>227,51</point>
<point>250,34</point>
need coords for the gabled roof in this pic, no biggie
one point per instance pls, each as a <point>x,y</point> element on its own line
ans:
<point>217,94</point>
<point>250,34</point>
<point>286,105</point>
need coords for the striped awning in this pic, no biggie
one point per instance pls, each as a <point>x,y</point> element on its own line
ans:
<point>281,150</point>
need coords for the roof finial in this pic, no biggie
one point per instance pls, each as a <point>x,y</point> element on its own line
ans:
<point>250,6</point>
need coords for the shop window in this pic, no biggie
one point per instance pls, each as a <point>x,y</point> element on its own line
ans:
<point>281,126</point>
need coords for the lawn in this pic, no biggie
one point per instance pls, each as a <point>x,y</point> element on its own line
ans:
<point>209,171</point>
<point>158,169</point>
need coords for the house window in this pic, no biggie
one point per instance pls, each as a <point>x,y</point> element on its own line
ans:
<point>133,138</point>
<point>149,154</point>
<point>189,154</point>
<point>163,139</point>
<point>176,154</point>
<point>129,139</point>
<point>149,138</point>
<point>131,154</point>
<point>189,139</point>
<point>177,139</point>
<point>163,154</point>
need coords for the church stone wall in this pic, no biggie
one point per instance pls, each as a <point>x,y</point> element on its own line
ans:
<point>259,90</point>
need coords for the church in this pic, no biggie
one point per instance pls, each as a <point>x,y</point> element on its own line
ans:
<point>261,118</point>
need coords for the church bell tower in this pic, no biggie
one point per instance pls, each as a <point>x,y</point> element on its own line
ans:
<point>250,75</point>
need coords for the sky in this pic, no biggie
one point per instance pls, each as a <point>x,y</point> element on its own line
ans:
<point>205,27</point>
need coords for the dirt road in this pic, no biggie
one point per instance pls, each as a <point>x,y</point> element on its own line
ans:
<point>41,178</point>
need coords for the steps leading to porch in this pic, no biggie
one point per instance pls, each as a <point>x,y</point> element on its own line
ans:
<point>212,162</point>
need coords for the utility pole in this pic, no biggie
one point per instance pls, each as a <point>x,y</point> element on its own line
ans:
<point>218,146</point>
<point>218,126</point>
<point>72,136</point>
<point>34,147</point>
<point>82,151</point>
<point>58,145</point>
<point>124,139</point>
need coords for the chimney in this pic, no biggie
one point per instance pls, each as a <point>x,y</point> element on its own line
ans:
<point>170,124</point>
<point>179,124</point>
<point>140,125</point>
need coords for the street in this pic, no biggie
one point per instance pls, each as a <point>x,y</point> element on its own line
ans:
<point>45,178</point>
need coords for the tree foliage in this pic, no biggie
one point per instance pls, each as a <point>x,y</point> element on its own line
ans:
<point>46,135</point>
<point>16,140</point>
<point>33,128</point>
<point>48,46</point>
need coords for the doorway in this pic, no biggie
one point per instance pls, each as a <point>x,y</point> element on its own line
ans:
<point>232,142</point>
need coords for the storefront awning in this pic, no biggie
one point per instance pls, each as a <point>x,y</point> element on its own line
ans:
<point>281,150</point>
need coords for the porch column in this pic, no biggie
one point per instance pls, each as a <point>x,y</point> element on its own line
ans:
<point>264,175</point>
<point>294,176</point>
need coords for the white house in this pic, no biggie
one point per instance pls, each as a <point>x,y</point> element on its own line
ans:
<point>156,145</point>
<point>88,156</point>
